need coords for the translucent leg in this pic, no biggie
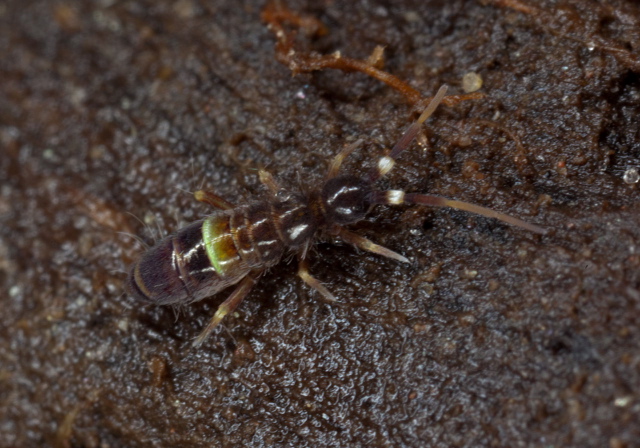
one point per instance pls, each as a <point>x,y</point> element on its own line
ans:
<point>267,179</point>
<point>365,244</point>
<point>213,200</point>
<point>303,273</point>
<point>228,306</point>
<point>337,160</point>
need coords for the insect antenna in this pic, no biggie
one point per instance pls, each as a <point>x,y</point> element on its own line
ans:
<point>397,197</point>
<point>336,163</point>
<point>386,163</point>
<point>137,238</point>
<point>184,190</point>
<point>147,227</point>
<point>125,303</point>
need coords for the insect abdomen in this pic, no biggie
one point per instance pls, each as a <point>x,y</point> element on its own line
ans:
<point>198,261</point>
<point>211,254</point>
<point>254,232</point>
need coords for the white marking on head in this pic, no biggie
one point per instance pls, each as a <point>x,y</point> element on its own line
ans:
<point>341,191</point>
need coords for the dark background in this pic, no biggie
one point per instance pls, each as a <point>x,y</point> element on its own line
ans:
<point>111,112</point>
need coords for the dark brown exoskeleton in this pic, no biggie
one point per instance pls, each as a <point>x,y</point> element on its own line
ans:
<point>237,244</point>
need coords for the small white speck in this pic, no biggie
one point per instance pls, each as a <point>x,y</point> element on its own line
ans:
<point>471,82</point>
<point>381,11</point>
<point>123,324</point>
<point>622,402</point>
<point>470,273</point>
<point>411,16</point>
<point>631,176</point>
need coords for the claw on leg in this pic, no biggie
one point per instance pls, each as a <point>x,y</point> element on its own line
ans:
<point>213,200</point>
<point>337,160</point>
<point>267,179</point>
<point>368,245</point>
<point>303,273</point>
<point>228,306</point>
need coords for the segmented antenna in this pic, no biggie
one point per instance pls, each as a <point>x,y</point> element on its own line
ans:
<point>386,163</point>
<point>397,197</point>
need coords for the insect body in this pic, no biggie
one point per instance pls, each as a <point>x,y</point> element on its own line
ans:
<point>237,244</point>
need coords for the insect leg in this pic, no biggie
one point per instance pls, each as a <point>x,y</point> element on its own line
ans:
<point>213,200</point>
<point>337,160</point>
<point>303,273</point>
<point>396,197</point>
<point>228,306</point>
<point>365,244</point>
<point>267,179</point>
<point>385,164</point>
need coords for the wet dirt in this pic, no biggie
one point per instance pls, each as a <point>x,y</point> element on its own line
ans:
<point>112,112</point>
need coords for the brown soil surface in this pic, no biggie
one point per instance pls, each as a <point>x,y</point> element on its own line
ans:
<point>110,112</point>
